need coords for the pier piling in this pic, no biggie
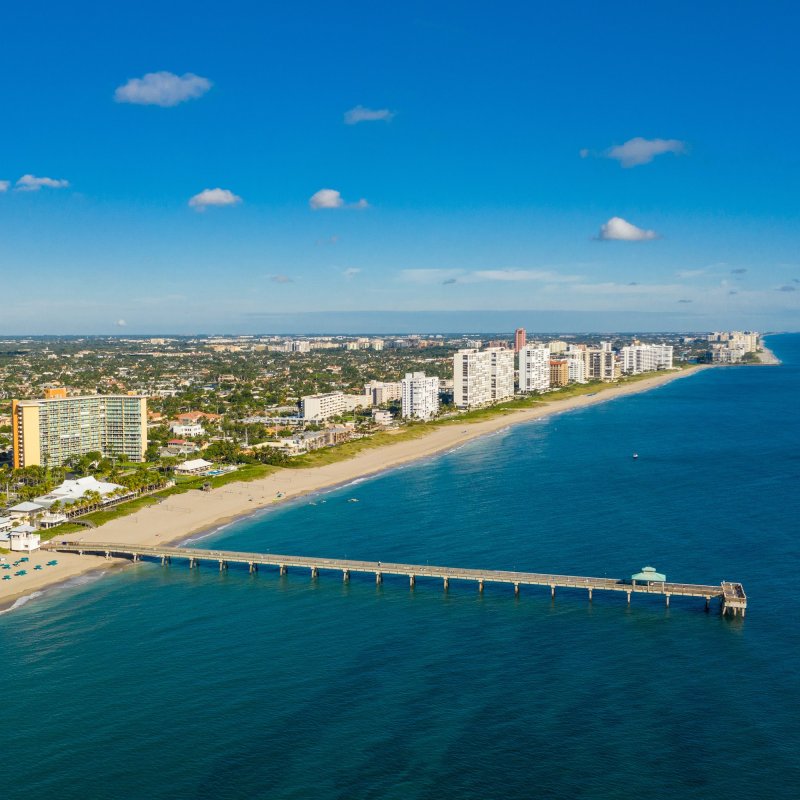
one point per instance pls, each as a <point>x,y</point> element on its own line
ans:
<point>345,576</point>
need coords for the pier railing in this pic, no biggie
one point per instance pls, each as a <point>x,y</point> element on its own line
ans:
<point>731,595</point>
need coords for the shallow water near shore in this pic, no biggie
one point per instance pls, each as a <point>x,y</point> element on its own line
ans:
<point>168,683</point>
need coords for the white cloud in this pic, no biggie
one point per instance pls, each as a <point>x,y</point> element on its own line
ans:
<point>281,279</point>
<point>326,198</point>
<point>361,114</point>
<point>639,151</point>
<point>4,186</point>
<point>690,273</point>
<point>632,289</point>
<point>214,197</point>
<point>618,229</point>
<point>120,323</point>
<point>162,89</point>
<point>350,273</point>
<point>519,275</point>
<point>330,198</point>
<point>450,276</point>
<point>30,183</point>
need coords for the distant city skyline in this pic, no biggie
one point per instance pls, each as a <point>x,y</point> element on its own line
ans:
<point>384,170</point>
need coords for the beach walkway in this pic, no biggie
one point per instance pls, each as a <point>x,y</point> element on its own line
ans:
<point>731,595</point>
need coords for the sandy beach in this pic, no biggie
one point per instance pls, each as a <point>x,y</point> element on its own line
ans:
<point>181,516</point>
<point>767,357</point>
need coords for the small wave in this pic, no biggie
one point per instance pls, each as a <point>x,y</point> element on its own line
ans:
<point>20,601</point>
<point>81,580</point>
<point>205,534</point>
<point>354,482</point>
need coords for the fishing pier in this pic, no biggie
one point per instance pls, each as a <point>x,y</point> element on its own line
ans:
<point>731,595</point>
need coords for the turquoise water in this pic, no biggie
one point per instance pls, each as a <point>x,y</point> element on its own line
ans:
<point>164,683</point>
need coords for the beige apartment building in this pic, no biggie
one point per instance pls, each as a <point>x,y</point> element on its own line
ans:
<point>52,430</point>
<point>559,372</point>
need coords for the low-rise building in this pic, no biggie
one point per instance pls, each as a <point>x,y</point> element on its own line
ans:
<point>319,407</point>
<point>314,440</point>
<point>71,491</point>
<point>23,539</point>
<point>188,429</point>
<point>26,511</point>
<point>196,466</point>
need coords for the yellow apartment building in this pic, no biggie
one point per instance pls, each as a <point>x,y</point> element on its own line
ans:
<point>52,430</point>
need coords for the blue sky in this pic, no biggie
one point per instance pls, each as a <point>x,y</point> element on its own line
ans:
<point>487,165</point>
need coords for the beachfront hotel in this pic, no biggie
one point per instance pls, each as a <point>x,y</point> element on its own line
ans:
<point>56,428</point>
<point>420,398</point>
<point>481,377</point>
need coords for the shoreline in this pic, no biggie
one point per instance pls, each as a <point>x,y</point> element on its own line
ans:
<point>767,358</point>
<point>199,514</point>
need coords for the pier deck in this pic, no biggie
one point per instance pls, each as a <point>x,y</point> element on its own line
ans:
<point>731,595</point>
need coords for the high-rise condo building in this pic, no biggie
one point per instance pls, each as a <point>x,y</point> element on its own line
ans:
<point>472,378</point>
<point>559,372</point>
<point>380,392</point>
<point>51,431</point>
<point>638,358</point>
<point>534,368</point>
<point>501,370</point>
<point>576,365</point>
<point>420,396</point>
<point>519,339</point>
<point>601,364</point>
<point>481,377</point>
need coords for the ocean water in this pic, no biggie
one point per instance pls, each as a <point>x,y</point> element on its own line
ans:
<point>158,682</point>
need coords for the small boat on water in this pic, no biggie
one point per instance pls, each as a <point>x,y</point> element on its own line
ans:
<point>353,500</point>
<point>635,456</point>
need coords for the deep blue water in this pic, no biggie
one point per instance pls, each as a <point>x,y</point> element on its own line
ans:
<point>164,683</point>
